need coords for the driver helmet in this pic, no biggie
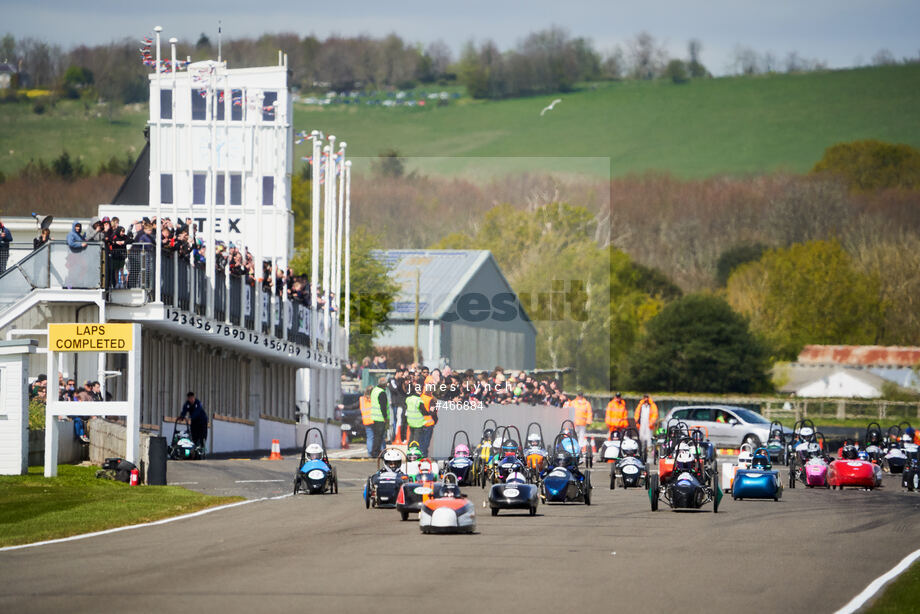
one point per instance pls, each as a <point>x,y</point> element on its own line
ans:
<point>413,453</point>
<point>564,459</point>
<point>630,447</point>
<point>515,476</point>
<point>314,452</point>
<point>615,434</point>
<point>906,438</point>
<point>424,467</point>
<point>509,448</point>
<point>487,435</point>
<point>813,448</point>
<point>461,450</point>
<point>807,432</point>
<point>849,452</point>
<point>744,457</point>
<point>759,462</point>
<point>533,440</point>
<point>684,456</point>
<point>392,460</point>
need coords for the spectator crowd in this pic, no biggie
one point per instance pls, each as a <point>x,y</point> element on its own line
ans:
<point>127,248</point>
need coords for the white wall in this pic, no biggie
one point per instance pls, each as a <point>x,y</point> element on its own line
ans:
<point>271,429</point>
<point>839,385</point>
<point>14,415</point>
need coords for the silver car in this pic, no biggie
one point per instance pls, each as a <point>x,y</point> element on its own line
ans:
<point>728,425</point>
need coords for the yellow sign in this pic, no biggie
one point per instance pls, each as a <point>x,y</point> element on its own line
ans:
<point>90,337</point>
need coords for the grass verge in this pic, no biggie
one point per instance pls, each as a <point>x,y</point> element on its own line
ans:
<point>899,596</point>
<point>34,508</point>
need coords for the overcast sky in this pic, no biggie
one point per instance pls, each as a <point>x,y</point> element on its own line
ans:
<point>838,32</point>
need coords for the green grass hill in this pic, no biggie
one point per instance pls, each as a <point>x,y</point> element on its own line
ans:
<point>735,125</point>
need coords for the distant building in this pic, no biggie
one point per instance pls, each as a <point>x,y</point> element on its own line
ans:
<point>469,317</point>
<point>6,75</point>
<point>858,371</point>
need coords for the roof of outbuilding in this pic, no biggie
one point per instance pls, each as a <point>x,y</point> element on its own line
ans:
<point>443,274</point>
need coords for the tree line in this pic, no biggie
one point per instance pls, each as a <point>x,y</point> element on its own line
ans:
<point>545,61</point>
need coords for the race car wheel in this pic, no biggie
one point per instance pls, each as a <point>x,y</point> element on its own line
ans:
<point>404,516</point>
<point>296,485</point>
<point>715,506</point>
<point>495,511</point>
<point>335,485</point>
<point>613,480</point>
<point>533,510</point>
<point>367,501</point>
<point>653,493</point>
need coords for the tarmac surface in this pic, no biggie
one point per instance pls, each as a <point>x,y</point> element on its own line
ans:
<point>811,551</point>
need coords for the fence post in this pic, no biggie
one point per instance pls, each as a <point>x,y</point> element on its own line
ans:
<point>805,409</point>
<point>841,409</point>
<point>881,410</point>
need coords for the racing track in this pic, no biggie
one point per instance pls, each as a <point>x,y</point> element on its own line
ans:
<point>812,551</point>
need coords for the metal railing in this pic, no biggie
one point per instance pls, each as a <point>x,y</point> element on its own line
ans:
<point>183,286</point>
<point>53,265</point>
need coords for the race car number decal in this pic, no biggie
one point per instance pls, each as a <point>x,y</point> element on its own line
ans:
<point>512,492</point>
<point>316,474</point>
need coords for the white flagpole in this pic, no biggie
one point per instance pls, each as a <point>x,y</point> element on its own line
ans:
<point>347,297</point>
<point>337,282</point>
<point>156,159</point>
<point>328,227</point>
<point>315,172</point>
<point>211,256</point>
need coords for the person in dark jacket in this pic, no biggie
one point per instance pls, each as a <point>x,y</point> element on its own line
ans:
<point>198,418</point>
<point>6,237</point>
<point>41,239</point>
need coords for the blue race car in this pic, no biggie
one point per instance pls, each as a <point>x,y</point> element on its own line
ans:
<point>760,481</point>
<point>564,481</point>
<point>314,473</point>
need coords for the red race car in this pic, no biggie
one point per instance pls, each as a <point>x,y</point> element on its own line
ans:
<point>850,470</point>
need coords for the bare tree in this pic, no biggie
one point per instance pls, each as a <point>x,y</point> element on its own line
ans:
<point>745,61</point>
<point>883,57</point>
<point>646,57</point>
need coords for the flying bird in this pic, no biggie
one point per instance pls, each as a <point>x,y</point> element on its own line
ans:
<point>550,107</point>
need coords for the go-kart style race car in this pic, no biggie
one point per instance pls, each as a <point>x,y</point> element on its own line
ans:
<point>849,470</point>
<point>181,446</point>
<point>745,455</point>
<point>778,444</point>
<point>535,454</point>
<point>416,491</point>
<point>508,458</point>
<point>382,488</point>
<point>564,481</point>
<point>629,468</point>
<point>759,481</point>
<point>568,428</point>
<point>808,463</point>
<point>460,463</point>
<point>413,460</point>
<point>687,485</point>
<point>910,476</point>
<point>314,473</point>
<point>515,488</point>
<point>448,511</point>
<point>609,452</point>
<point>895,455</point>
<point>483,452</point>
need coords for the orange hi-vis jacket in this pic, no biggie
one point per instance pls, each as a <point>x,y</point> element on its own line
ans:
<point>426,401</point>
<point>364,403</point>
<point>583,414</point>
<point>616,416</point>
<point>652,413</point>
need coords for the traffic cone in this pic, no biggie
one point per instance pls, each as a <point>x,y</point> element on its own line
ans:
<point>276,450</point>
<point>344,439</point>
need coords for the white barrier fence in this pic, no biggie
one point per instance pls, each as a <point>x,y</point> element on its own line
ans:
<point>454,417</point>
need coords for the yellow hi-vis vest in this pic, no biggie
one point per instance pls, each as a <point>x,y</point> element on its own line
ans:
<point>376,414</point>
<point>414,417</point>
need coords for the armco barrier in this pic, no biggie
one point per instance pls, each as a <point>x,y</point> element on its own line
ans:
<point>454,417</point>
